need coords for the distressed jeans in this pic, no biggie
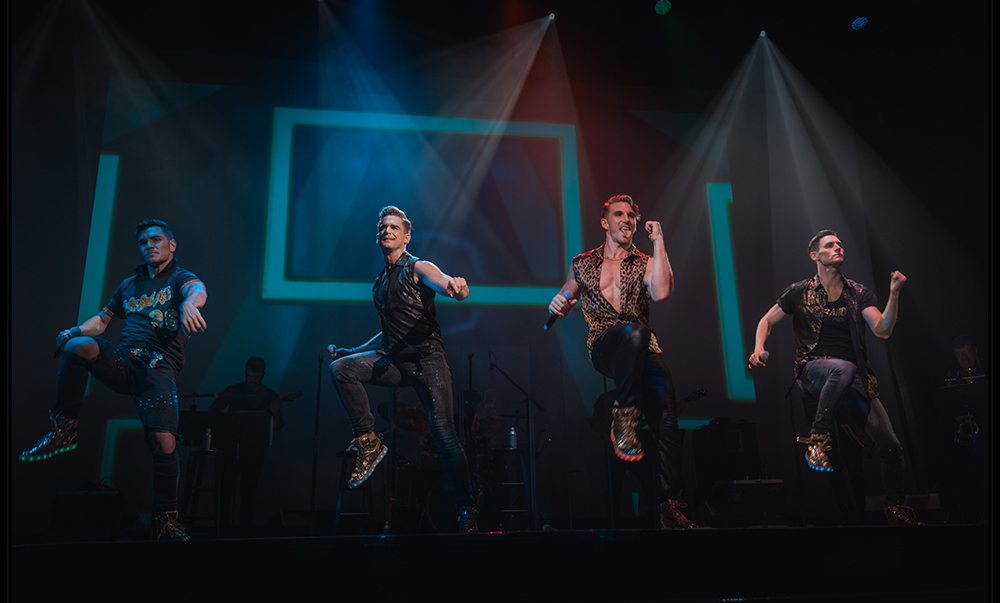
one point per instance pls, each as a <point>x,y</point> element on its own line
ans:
<point>428,373</point>
<point>153,390</point>
<point>831,380</point>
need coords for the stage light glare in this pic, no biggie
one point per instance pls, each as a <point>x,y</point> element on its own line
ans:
<point>552,16</point>
<point>663,7</point>
<point>763,33</point>
<point>859,23</point>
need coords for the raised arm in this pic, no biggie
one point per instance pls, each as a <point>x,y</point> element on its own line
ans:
<point>767,322</point>
<point>452,286</point>
<point>659,277</point>
<point>372,344</point>
<point>562,304</point>
<point>882,323</point>
<point>195,297</point>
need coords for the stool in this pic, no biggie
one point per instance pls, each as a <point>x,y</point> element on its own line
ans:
<point>512,481</point>
<point>194,486</point>
<point>365,488</point>
<point>608,454</point>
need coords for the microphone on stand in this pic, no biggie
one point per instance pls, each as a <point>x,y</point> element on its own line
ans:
<point>554,317</point>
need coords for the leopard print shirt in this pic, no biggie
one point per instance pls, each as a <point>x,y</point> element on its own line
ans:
<point>597,310</point>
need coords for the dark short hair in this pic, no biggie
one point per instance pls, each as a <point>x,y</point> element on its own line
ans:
<point>814,242</point>
<point>620,199</point>
<point>256,364</point>
<point>961,341</point>
<point>392,210</point>
<point>141,226</point>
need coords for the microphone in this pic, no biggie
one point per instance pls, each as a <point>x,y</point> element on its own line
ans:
<point>492,365</point>
<point>764,356</point>
<point>554,317</point>
<point>73,332</point>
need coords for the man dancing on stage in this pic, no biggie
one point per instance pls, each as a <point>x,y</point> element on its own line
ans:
<point>160,305</point>
<point>408,351</point>
<point>831,359</point>
<point>615,284</point>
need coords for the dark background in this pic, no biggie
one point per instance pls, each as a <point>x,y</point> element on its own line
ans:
<point>914,86</point>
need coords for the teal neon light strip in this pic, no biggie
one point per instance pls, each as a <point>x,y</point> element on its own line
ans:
<point>102,219</point>
<point>739,385</point>
<point>692,423</point>
<point>277,287</point>
<point>115,427</point>
<point>99,244</point>
<point>362,292</point>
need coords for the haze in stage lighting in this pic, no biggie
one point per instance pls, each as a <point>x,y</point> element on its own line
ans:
<point>663,7</point>
<point>859,23</point>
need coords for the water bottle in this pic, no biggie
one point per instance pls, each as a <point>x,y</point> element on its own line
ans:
<point>206,442</point>
<point>512,439</point>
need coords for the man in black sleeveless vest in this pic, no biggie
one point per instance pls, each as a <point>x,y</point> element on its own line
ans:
<point>829,313</point>
<point>408,351</point>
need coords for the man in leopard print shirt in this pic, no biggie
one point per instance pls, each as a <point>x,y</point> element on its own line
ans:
<point>614,285</point>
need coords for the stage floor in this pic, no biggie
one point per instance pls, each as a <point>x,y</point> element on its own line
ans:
<point>880,563</point>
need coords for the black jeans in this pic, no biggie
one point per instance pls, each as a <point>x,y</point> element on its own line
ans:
<point>428,373</point>
<point>642,379</point>
<point>830,381</point>
<point>153,390</point>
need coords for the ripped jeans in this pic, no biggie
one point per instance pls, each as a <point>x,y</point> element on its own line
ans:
<point>831,380</point>
<point>428,373</point>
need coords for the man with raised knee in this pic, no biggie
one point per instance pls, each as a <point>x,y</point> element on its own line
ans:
<point>161,308</point>
<point>829,313</point>
<point>407,351</point>
<point>615,285</point>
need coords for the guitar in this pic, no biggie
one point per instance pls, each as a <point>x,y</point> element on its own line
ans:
<point>290,397</point>
<point>697,394</point>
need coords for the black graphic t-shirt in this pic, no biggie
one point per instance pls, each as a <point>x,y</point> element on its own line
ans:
<point>806,301</point>
<point>835,335</point>
<point>151,309</point>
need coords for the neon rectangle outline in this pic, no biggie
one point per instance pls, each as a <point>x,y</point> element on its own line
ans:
<point>275,286</point>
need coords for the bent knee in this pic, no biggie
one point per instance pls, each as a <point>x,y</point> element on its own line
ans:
<point>162,442</point>
<point>638,336</point>
<point>339,370</point>
<point>846,369</point>
<point>84,348</point>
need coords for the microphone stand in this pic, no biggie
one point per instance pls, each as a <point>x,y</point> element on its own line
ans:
<point>528,403</point>
<point>315,467</point>
<point>389,488</point>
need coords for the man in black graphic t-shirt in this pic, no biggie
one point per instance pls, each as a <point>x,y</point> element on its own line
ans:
<point>160,305</point>
<point>829,313</point>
